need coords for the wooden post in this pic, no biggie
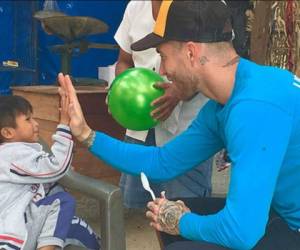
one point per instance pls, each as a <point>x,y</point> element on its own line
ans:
<point>260,35</point>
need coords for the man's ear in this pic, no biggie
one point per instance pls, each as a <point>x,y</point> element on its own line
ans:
<point>7,133</point>
<point>192,52</point>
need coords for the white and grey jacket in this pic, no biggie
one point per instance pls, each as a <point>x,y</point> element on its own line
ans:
<point>25,171</point>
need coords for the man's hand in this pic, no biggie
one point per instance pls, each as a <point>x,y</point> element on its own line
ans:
<point>78,125</point>
<point>166,103</point>
<point>165,214</point>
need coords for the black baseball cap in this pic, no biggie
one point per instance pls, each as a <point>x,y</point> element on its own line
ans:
<point>197,21</point>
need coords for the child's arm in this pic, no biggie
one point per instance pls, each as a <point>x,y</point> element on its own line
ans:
<point>33,165</point>
<point>37,166</point>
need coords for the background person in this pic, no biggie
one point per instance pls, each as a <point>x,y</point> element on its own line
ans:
<point>138,20</point>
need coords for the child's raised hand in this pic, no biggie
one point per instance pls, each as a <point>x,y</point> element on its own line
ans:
<point>78,125</point>
<point>64,107</point>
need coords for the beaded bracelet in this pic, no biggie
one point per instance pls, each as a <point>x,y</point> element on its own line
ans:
<point>88,142</point>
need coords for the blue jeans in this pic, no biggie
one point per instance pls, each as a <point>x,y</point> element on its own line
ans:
<point>194,183</point>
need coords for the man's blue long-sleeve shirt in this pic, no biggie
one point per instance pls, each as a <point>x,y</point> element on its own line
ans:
<point>260,128</point>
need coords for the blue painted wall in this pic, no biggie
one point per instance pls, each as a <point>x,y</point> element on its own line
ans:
<point>48,63</point>
<point>6,45</point>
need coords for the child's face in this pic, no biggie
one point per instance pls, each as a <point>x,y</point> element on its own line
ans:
<point>27,129</point>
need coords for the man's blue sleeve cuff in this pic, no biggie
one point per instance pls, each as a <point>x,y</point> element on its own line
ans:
<point>189,224</point>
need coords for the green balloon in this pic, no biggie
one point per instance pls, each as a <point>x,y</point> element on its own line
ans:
<point>130,97</point>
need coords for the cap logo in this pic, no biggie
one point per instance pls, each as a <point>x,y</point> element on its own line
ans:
<point>160,24</point>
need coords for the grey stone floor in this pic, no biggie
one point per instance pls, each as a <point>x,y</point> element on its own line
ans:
<point>139,235</point>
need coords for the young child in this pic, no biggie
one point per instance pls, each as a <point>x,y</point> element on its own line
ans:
<point>34,213</point>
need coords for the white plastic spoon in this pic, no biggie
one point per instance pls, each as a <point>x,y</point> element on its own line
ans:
<point>146,185</point>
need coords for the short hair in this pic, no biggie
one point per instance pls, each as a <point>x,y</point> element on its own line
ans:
<point>10,108</point>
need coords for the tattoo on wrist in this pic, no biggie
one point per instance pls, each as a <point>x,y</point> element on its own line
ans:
<point>169,215</point>
<point>88,142</point>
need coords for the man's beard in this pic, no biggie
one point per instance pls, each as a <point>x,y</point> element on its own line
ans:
<point>184,95</point>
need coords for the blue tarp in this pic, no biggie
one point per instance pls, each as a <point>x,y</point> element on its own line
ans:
<point>17,41</point>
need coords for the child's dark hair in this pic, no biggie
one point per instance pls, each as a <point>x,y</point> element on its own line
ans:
<point>10,108</point>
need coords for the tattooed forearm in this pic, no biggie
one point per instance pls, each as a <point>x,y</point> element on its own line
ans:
<point>169,215</point>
